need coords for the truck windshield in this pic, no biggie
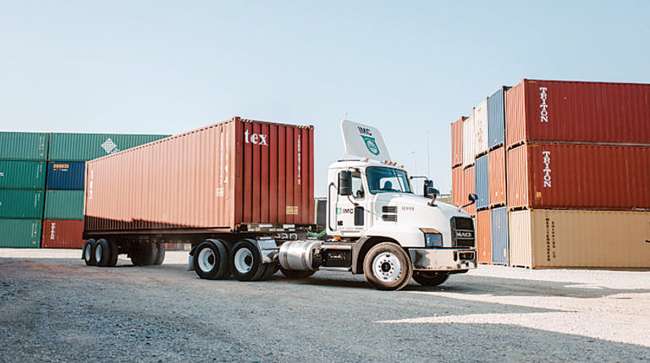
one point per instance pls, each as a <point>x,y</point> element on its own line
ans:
<point>387,180</point>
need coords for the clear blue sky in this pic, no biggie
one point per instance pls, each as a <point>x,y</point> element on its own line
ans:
<point>408,68</point>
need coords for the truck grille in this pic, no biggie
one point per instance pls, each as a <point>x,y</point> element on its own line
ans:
<point>462,232</point>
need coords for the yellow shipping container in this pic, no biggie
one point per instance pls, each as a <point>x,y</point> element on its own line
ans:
<point>579,238</point>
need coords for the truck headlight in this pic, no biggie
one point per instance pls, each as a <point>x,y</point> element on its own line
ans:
<point>433,239</point>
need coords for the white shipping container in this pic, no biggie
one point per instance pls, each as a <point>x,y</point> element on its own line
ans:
<point>481,128</point>
<point>468,141</point>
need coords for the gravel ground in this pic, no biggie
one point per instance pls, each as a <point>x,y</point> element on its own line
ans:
<point>54,308</point>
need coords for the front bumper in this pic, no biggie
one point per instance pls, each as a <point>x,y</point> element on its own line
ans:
<point>442,259</point>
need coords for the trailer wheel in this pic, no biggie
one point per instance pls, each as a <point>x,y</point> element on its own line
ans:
<point>211,260</point>
<point>144,255</point>
<point>296,274</point>
<point>160,255</point>
<point>387,267</point>
<point>114,253</point>
<point>247,262</point>
<point>102,253</point>
<point>430,278</point>
<point>87,253</point>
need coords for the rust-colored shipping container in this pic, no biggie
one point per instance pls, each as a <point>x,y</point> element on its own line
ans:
<point>553,111</point>
<point>483,236</point>
<point>221,178</point>
<point>457,142</point>
<point>577,176</point>
<point>497,176</point>
<point>469,187</point>
<point>457,186</point>
<point>579,238</point>
<point>62,234</point>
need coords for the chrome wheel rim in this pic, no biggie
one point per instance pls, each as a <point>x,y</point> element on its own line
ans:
<point>243,260</point>
<point>87,252</point>
<point>207,259</point>
<point>386,267</point>
<point>99,250</point>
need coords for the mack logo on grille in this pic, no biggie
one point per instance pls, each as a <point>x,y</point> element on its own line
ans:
<point>464,234</point>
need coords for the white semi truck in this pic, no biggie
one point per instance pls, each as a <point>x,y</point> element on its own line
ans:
<point>376,225</point>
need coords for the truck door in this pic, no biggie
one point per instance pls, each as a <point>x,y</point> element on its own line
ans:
<point>350,213</point>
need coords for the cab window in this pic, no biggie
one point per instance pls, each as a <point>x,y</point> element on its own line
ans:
<point>387,180</point>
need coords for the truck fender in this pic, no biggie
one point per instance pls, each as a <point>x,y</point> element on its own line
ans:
<point>362,246</point>
<point>356,250</point>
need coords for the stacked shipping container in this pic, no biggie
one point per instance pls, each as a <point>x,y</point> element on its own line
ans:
<point>42,182</point>
<point>575,164</point>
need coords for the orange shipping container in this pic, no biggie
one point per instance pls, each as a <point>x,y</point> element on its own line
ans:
<point>457,142</point>
<point>62,234</point>
<point>469,187</point>
<point>483,236</point>
<point>497,175</point>
<point>219,178</point>
<point>457,186</point>
<point>578,176</point>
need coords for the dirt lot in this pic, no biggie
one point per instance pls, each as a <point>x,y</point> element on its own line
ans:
<point>53,308</point>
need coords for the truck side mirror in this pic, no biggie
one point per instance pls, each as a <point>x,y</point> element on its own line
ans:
<point>429,190</point>
<point>345,183</point>
<point>472,198</point>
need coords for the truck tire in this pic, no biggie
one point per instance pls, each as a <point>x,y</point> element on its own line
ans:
<point>271,269</point>
<point>211,260</point>
<point>160,255</point>
<point>87,253</point>
<point>102,253</point>
<point>387,267</point>
<point>296,274</point>
<point>144,255</point>
<point>247,262</point>
<point>115,251</point>
<point>430,278</point>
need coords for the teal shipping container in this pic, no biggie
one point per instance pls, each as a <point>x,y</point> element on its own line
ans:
<point>16,174</point>
<point>64,204</point>
<point>23,145</point>
<point>82,147</point>
<point>20,233</point>
<point>21,203</point>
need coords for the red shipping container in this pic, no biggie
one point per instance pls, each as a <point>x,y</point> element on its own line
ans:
<point>547,111</point>
<point>62,234</point>
<point>483,236</point>
<point>215,179</point>
<point>497,176</point>
<point>457,142</point>
<point>469,187</point>
<point>457,186</point>
<point>579,176</point>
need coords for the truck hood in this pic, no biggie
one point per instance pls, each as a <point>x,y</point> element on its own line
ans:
<point>416,201</point>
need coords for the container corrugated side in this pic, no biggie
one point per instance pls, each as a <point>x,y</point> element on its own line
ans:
<point>64,204</point>
<point>468,141</point>
<point>457,142</point>
<point>483,236</point>
<point>499,235</point>
<point>577,176</point>
<point>62,234</point>
<point>481,128</point>
<point>219,177</point>
<point>590,112</point>
<point>23,146</point>
<point>497,177</point>
<point>16,203</point>
<point>66,175</point>
<point>458,196</point>
<point>482,182</point>
<point>82,147</point>
<point>496,118</point>
<point>469,187</point>
<point>20,233</point>
<point>580,238</point>
<point>20,174</point>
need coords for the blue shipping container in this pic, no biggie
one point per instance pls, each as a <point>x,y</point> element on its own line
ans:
<point>500,242</point>
<point>63,175</point>
<point>496,118</point>
<point>481,178</point>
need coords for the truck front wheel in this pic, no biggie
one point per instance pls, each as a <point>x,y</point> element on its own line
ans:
<point>387,267</point>
<point>430,278</point>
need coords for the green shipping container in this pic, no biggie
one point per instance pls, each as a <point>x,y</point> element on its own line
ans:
<point>23,145</point>
<point>81,147</point>
<point>21,203</point>
<point>20,233</point>
<point>64,204</point>
<point>16,174</point>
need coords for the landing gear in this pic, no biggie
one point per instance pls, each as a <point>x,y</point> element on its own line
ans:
<point>387,267</point>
